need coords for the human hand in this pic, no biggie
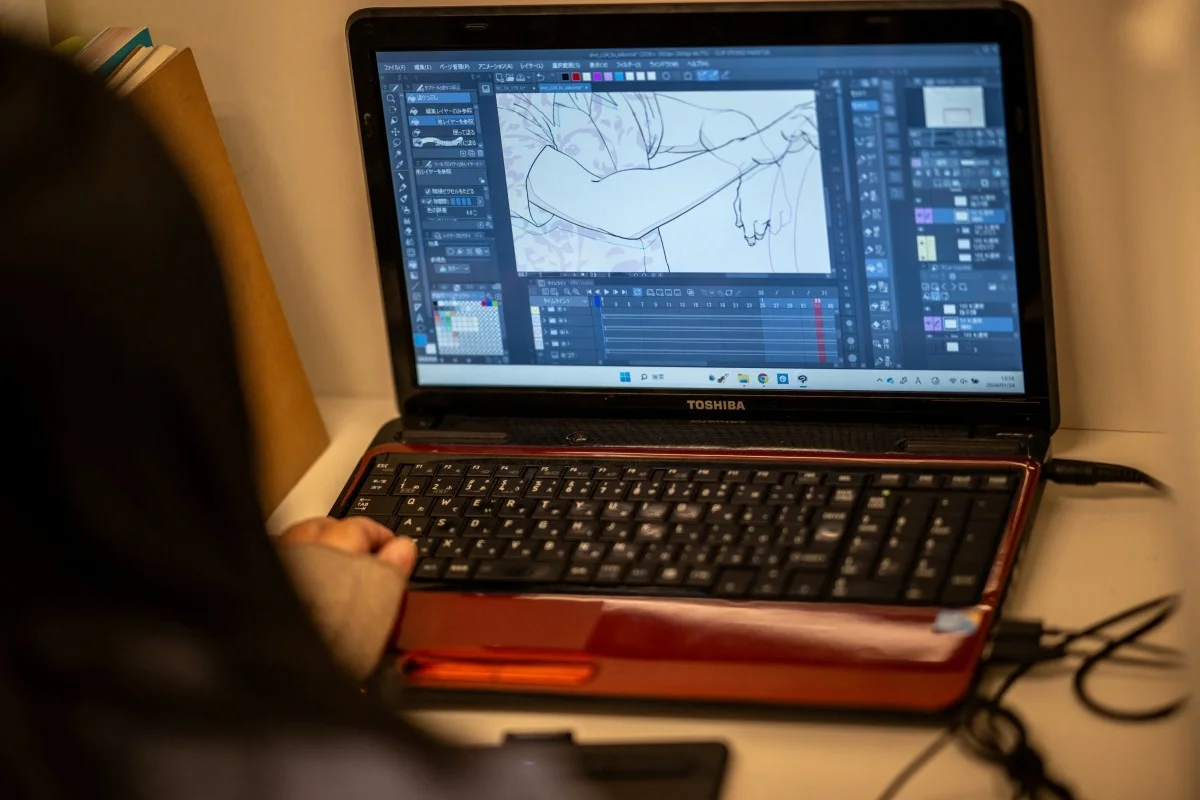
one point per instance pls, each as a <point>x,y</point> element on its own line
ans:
<point>357,535</point>
<point>761,205</point>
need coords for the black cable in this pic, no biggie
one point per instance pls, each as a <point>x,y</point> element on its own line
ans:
<point>1079,683</point>
<point>1090,473</point>
<point>996,734</point>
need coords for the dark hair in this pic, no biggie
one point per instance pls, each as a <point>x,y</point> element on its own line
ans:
<point>138,579</point>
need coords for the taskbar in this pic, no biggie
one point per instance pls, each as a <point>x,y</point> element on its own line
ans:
<point>747,379</point>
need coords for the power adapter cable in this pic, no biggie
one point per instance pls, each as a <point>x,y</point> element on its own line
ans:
<point>995,733</point>
<point>1089,473</point>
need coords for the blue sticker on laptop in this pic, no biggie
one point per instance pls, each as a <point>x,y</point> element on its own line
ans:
<point>962,621</point>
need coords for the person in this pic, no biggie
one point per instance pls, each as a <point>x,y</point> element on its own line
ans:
<point>584,193</point>
<point>152,643</point>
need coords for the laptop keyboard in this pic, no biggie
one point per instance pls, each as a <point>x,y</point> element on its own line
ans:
<point>729,530</point>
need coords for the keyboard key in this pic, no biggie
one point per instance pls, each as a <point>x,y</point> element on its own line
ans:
<point>636,473</point>
<point>515,507</point>
<point>508,487</point>
<point>550,509</point>
<point>579,573</point>
<point>979,541</point>
<point>706,475</point>
<point>520,551</point>
<point>424,470</point>
<point>714,492</point>
<point>651,532</point>
<point>514,528</point>
<point>654,512</point>
<point>808,478</point>
<point>442,487</point>
<point>871,524</point>
<point>769,584</point>
<point>948,526</point>
<point>445,527</point>
<point>378,484</point>
<point>610,490</point>
<point>476,507</point>
<point>927,570</point>
<point>678,474</point>
<point>805,587</point>
<point>951,504</point>
<point>429,569</point>
<point>480,471</point>
<point>384,467</point>
<point>616,531</point>
<point>452,470</point>
<point>590,552</point>
<point>752,515</point>
<point>486,548</point>
<point>448,507</point>
<point>865,591</point>
<point>854,567</point>
<point>736,476</point>
<point>889,567</point>
<point>578,472</point>
<point>552,551</point>
<point>547,529</point>
<point>410,485</point>
<point>608,473</point>
<point>749,493</point>
<point>374,506</point>
<point>543,488</point>
<point>618,510</point>
<point>847,479</point>
<point>549,472</point>
<point>459,569</point>
<point>584,509</point>
<point>701,577</point>
<point>574,489</point>
<point>926,481</point>
<point>640,575</point>
<point>722,514</point>
<point>476,487</point>
<point>811,561</point>
<point>412,526</point>
<point>519,571</point>
<point>998,483</point>
<point>734,582</point>
<point>891,480</point>
<point>669,576</point>
<point>922,591</point>
<point>936,549</point>
<point>881,501</point>
<point>843,497</point>
<point>678,492</point>
<point>961,482</point>
<point>415,506</point>
<point>994,507</point>
<point>688,512</point>
<point>645,490</point>
<point>731,556</point>
<point>582,530</point>
<point>624,552</point>
<point>771,476</point>
<point>784,495</point>
<point>962,589</point>
<point>609,574</point>
<point>478,528</point>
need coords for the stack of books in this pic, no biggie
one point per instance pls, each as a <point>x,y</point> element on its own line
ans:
<point>164,84</point>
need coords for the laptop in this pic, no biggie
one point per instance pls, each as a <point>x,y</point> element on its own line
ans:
<point>722,339</point>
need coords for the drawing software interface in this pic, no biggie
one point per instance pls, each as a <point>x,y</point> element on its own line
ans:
<point>795,218</point>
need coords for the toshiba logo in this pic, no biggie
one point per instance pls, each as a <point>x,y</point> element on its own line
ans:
<point>716,405</point>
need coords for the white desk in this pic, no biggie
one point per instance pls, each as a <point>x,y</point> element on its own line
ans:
<point>1094,551</point>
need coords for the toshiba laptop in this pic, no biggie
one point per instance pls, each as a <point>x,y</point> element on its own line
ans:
<point>722,341</point>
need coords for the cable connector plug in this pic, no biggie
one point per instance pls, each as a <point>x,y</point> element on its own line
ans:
<point>1090,473</point>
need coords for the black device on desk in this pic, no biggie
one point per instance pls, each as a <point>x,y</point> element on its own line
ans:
<point>722,337</point>
<point>634,771</point>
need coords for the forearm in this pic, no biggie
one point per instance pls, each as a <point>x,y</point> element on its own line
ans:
<point>631,203</point>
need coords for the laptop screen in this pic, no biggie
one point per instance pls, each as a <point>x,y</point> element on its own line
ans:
<point>759,218</point>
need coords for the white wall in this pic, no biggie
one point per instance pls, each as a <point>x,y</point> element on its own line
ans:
<point>278,78</point>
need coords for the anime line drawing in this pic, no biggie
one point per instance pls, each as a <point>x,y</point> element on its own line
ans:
<point>665,182</point>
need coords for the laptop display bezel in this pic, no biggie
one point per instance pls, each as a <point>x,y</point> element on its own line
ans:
<point>711,25</point>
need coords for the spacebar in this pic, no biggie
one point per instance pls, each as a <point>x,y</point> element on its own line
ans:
<point>519,571</point>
